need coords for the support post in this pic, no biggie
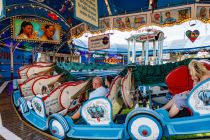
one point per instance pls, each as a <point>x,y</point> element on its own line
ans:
<point>160,52</point>
<point>154,51</point>
<point>134,51</point>
<point>35,50</point>
<point>12,50</point>
<point>147,52</point>
<point>143,52</point>
<point>11,62</point>
<point>128,52</point>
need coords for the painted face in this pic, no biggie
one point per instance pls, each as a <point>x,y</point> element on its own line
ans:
<point>50,31</point>
<point>28,29</point>
<point>168,15</point>
<point>203,12</point>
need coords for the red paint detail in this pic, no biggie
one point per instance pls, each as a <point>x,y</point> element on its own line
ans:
<point>98,119</point>
<point>53,16</point>
<point>44,78</point>
<point>38,66</point>
<point>190,111</point>
<point>157,16</point>
<point>28,80</point>
<point>179,80</point>
<point>144,132</point>
<point>123,92</point>
<point>44,98</point>
<point>68,84</point>
<point>112,84</point>
<point>193,35</point>
<point>54,131</point>
<point>19,71</point>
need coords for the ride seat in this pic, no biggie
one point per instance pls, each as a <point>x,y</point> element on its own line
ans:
<point>179,80</point>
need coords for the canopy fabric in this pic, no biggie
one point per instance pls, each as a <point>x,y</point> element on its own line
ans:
<point>64,10</point>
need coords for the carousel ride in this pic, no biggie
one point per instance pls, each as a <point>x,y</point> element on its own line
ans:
<point>51,110</point>
<point>46,99</point>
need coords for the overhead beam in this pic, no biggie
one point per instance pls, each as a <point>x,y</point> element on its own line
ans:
<point>43,6</point>
<point>108,7</point>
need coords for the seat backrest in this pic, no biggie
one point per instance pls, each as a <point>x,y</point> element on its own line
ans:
<point>179,79</point>
<point>127,89</point>
<point>26,86</point>
<point>37,70</point>
<point>97,111</point>
<point>60,97</point>
<point>113,95</point>
<point>47,80</point>
<point>73,93</point>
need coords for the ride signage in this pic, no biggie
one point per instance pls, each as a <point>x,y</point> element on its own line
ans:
<point>87,10</point>
<point>99,42</point>
<point>146,37</point>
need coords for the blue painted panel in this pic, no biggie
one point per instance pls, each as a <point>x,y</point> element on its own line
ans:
<point>35,120</point>
<point>20,58</point>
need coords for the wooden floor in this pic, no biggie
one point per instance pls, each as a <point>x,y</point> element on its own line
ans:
<point>11,121</point>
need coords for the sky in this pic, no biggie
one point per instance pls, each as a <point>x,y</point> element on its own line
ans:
<point>175,37</point>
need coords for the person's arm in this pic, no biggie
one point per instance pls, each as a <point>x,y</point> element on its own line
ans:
<point>76,115</point>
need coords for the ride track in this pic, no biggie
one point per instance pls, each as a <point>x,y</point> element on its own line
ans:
<point>12,120</point>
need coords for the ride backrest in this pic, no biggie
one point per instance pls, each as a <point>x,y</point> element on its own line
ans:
<point>26,86</point>
<point>179,79</point>
<point>97,111</point>
<point>128,89</point>
<point>38,70</point>
<point>44,81</point>
<point>199,98</point>
<point>114,94</point>
<point>26,71</point>
<point>61,97</point>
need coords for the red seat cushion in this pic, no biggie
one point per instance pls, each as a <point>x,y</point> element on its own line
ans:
<point>179,80</point>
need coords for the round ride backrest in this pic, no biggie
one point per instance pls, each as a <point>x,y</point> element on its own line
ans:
<point>127,90</point>
<point>179,79</point>
<point>114,95</point>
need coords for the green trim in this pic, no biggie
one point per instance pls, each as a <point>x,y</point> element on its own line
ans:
<point>151,75</point>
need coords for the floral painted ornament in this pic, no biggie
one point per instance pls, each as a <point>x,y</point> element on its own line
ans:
<point>53,16</point>
<point>192,35</point>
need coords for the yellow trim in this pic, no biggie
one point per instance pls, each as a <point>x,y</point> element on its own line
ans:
<point>38,21</point>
